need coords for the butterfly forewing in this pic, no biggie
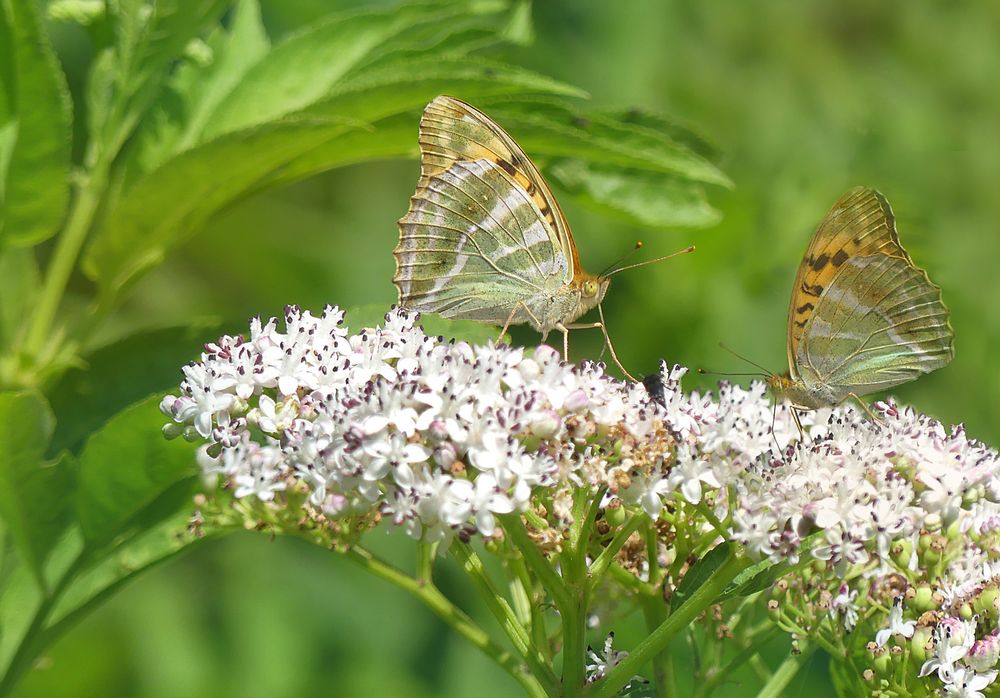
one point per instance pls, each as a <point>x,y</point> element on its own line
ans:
<point>859,224</point>
<point>880,323</point>
<point>483,232</point>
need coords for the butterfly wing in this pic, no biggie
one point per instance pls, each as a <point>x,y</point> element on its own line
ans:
<point>878,323</point>
<point>483,231</point>
<point>859,224</point>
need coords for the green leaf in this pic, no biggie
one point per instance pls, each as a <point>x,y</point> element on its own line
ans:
<point>173,202</point>
<point>371,315</point>
<point>34,149</point>
<point>647,198</point>
<point>700,572</point>
<point>755,578</point>
<point>179,118</point>
<point>19,282</point>
<point>305,67</point>
<point>556,129</point>
<point>149,38</point>
<point>125,467</point>
<point>121,373</point>
<point>159,542</point>
<point>33,494</point>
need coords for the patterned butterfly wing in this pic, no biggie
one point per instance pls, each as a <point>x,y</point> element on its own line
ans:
<point>859,224</point>
<point>879,322</point>
<point>483,231</point>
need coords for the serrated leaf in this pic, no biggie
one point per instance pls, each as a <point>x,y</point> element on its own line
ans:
<point>125,467</point>
<point>305,67</point>
<point>121,373</point>
<point>179,118</point>
<point>149,38</point>
<point>34,494</point>
<point>37,161</point>
<point>648,198</point>
<point>700,572</point>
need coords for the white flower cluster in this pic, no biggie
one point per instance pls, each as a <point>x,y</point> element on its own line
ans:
<point>441,437</point>
<point>443,434</point>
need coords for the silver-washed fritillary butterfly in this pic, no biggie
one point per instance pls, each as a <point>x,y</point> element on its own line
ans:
<point>484,238</point>
<point>863,317</point>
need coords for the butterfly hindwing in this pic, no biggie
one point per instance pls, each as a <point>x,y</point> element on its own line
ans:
<point>483,231</point>
<point>859,224</point>
<point>880,322</point>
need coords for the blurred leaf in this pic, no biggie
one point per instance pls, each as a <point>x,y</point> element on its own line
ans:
<point>304,68</point>
<point>37,158</point>
<point>362,316</point>
<point>20,598</point>
<point>195,91</point>
<point>643,197</point>
<point>700,572</point>
<point>34,495</point>
<point>19,281</point>
<point>663,124</point>
<point>158,541</point>
<point>121,373</point>
<point>125,467</point>
<point>520,29</point>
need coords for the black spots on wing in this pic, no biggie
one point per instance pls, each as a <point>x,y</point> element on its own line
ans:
<point>820,262</point>
<point>507,167</point>
<point>839,258</point>
<point>801,323</point>
<point>547,212</point>
<point>815,290</point>
<point>804,307</point>
<point>530,188</point>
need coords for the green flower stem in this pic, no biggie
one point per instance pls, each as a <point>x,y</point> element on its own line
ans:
<point>776,685</point>
<point>504,614</point>
<point>600,565</point>
<point>714,679</point>
<point>574,570</point>
<point>540,567</point>
<point>452,615</point>
<point>660,639</point>
<point>654,610</point>
<point>90,193</point>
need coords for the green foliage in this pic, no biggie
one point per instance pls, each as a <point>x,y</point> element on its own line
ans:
<point>34,129</point>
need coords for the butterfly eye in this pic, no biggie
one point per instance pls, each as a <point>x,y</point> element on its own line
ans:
<point>590,289</point>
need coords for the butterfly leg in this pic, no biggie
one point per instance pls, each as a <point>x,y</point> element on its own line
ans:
<point>867,409</point>
<point>510,319</point>
<point>798,423</point>
<point>607,341</point>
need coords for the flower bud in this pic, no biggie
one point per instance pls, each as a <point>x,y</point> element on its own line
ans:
<point>920,645</point>
<point>923,598</point>
<point>984,653</point>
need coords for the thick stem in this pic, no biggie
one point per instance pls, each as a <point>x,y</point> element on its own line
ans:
<point>659,639</point>
<point>81,217</point>
<point>654,611</point>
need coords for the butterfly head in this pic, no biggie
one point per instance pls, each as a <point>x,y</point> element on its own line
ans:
<point>780,385</point>
<point>593,288</point>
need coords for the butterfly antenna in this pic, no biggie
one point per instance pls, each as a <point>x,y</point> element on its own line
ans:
<point>743,358</point>
<point>704,372</point>
<point>638,246</point>
<point>686,250</point>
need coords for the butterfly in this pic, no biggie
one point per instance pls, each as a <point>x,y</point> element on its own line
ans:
<point>484,238</point>
<point>863,317</point>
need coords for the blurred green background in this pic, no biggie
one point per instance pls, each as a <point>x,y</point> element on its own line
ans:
<point>803,100</point>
